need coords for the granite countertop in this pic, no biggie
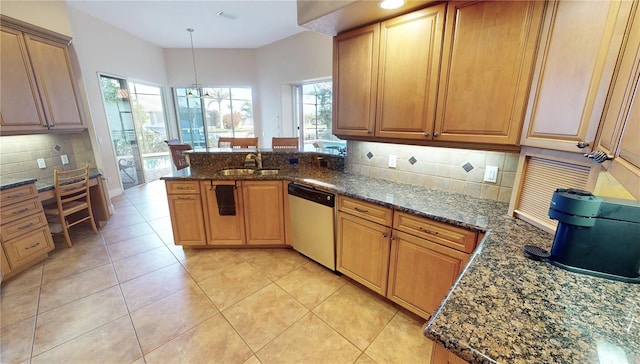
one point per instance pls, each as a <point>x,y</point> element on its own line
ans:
<point>43,184</point>
<point>504,307</point>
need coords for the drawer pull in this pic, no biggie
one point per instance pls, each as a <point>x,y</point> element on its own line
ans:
<point>25,226</point>
<point>184,198</point>
<point>183,188</point>
<point>428,231</point>
<point>361,210</point>
<point>20,211</point>
<point>16,195</point>
<point>32,246</point>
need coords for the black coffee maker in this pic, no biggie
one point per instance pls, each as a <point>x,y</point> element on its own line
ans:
<point>598,236</point>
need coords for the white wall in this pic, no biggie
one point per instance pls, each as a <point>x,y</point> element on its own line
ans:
<point>51,15</point>
<point>103,48</point>
<point>303,57</point>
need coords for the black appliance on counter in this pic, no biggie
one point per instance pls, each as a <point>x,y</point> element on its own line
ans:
<point>598,236</point>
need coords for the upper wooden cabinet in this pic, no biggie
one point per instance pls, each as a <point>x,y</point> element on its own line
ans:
<point>576,59</point>
<point>489,49</point>
<point>386,75</point>
<point>38,90</point>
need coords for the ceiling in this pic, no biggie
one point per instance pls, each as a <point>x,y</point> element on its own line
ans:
<point>242,23</point>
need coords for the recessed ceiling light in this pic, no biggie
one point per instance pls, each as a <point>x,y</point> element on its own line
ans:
<point>391,4</point>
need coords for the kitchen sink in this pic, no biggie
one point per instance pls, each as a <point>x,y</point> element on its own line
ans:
<point>267,172</point>
<point>235,172</point>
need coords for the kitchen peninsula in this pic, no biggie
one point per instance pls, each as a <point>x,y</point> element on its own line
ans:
<point>504,307</point>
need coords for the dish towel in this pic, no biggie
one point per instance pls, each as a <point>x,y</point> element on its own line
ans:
<point>226,200</point>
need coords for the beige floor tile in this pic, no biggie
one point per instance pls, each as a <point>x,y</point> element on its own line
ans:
<point>233,284</point>
<point>66,322</point>
<point>166,235</point>
<point>71,288</point>
<point>204,263</point>
<point>212,340</point>
<point>28,279</point>
<point>160,223</point>
<point>124,217</point>
<point>137,245</point>
<point>177,251</point>
<point>264,315</point>
<point>401,341</point>
<point>154,286</point>
<point>114,342</point>
<point>126,232</point>
<point>311,284</point>
<point>309,341</point>
<point>153,211</point>
<point>143,263</point>
<point>17,340</point>
<point>356,313</point>
<point>17,307</point>
<point>276,263</point>
<point>164,320</point>
<point>365,359</point>
<point>252,360</point>
<point>74,260</point>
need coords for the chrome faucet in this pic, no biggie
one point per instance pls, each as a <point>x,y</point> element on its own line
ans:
<point>253,160</point>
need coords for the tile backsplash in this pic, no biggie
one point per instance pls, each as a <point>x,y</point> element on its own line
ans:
<point>449,169</point>
<point>18,154</point>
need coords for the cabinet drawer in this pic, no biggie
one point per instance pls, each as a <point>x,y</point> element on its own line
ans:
<point>20,210</point>
<point>441,233</point>
<point>24,248</point>
<point>366,210</point>
<point>17,194</point>
<point>190,187</point>
<point>22,226</point>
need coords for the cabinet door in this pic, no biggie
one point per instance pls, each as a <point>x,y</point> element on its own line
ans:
<point>264,212</point>
<point>4,264</point>
<point>223,229</point>
<point>488,55</point>
<point>355,80</point>
<point>187,219</point>
<point>630,143</point>
<point>410,50</point>
<point>421,272</point>
<point>54,76</point>
<point>363,251</point>
<point>573,73</point>
<point>20,107</point>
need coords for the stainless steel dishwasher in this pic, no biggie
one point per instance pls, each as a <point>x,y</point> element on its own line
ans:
<point>312,223</point>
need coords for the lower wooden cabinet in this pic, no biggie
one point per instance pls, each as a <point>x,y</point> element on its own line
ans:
<point>363,251</point>
<point>264,212</point>
<point>421,272</point>
<point>185,209</point>
<point>223,229</point>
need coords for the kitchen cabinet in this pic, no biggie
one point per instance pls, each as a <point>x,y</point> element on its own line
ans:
<point>620,130</point>
<point>487,62</point>
<point>24,232</point>
<point>38,89</point>
<point>186,212</point>
<point>223,229</point>
<point>386,75</point>
<point>574,69</point>
<point>263,203</point>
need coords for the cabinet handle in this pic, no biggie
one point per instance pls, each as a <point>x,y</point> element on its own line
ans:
<point>582,144</point>
<point>361,210</point>
<point>32,246</point>
<point>25,226</point>
<point>368,131</point>
<point>436,134</point>
<point>20,211</point>
<point>16,196</point>
<point>384,235</point>
<point>427,231</point>
<point>427,134</point>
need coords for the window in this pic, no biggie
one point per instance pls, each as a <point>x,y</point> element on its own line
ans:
<point>313,103</point>
<point>222,111</point>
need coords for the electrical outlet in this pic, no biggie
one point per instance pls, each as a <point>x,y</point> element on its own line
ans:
<point>491,174</point>
<point>65,159</point>
<point>392,161</point>
<point>41,163</point>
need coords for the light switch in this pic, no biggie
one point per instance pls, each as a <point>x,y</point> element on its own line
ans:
<point>491,174</point>
<point>41,163</point>
<point>65,159</point>
<point>392,161</point>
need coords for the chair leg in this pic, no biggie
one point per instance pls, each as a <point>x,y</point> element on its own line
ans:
<point>93,222</point>
<point>65,231</point>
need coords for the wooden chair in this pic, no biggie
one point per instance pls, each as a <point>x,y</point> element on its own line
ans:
<point>240,142</point>
<point>177,153</point>
<point>285,143</point>
<point>72,198</point>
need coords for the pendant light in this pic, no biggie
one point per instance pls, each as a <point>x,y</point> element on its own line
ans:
<point>195,71</point>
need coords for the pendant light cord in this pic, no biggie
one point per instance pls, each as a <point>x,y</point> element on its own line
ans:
<point>193,55</point>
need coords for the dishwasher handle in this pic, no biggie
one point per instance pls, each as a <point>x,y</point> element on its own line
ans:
<point>310,194</point>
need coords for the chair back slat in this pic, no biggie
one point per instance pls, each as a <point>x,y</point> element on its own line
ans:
<point>71,185</point>
<point>285,143</point>
<point>237,143</point>
<point>177,153</point>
